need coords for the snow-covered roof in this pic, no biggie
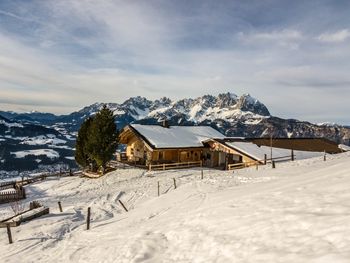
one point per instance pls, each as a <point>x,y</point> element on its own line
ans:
<point>258,153</point>
<point>176,136</point>
<point>344,147</point>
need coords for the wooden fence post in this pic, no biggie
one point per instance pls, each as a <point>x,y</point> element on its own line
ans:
<point>273,164</point>
<point>23,190</point>
<point>324,156</point>
<point>60,206</point>
<point>202,174</point>
<point>120,202</point>
<point>158,189</point>
<point>88,218</point>
<point>265,159</point>
<point>9,234</point>
<point>174,183</point>
<point>292,155</point>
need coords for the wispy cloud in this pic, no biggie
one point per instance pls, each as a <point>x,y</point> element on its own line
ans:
<point>336,37</point>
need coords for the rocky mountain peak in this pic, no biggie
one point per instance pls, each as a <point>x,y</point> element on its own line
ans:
<point>162,102</point>
<point>248,103</point>
<point>226,100</point>
<point>137,102</point>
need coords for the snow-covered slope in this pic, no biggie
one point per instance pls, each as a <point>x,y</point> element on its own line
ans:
<point>26,146</point>
<point>298,212</point>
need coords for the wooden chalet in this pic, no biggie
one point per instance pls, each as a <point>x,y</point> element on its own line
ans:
<point>161,144</point>
<point>164,147</point>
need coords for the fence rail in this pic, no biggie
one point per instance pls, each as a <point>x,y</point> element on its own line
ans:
<point>260,162</point>
<point>7,185</point>
<point>243,165</point>
<point>281,158</point>
<point>167,166</point>
<point>42,177</point>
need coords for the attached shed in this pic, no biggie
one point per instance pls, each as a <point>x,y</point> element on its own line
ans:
<point>231,151</point>
<point>299,144</point>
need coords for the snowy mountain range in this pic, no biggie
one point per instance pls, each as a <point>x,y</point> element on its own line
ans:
<point>230,114</point>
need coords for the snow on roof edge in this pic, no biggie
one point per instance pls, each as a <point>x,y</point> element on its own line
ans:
<point>176,136</point>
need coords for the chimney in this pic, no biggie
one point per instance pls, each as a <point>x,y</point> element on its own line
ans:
<point>164,123</point>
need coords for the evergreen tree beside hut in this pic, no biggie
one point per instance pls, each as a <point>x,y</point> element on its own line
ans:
<point>97,141</point>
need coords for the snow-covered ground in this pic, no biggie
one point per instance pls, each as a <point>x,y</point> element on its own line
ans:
<point>298,212</point>
<point>38,152</point>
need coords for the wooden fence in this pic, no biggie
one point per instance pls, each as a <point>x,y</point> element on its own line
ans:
<point>42,177</point>
<point>243,165</point>
<point>167,166</point>
<point>16,194</point>
<point>7,185</point>
<point>261,162</point>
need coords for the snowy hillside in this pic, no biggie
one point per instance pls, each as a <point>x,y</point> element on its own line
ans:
<point>297,212</point>
<point>28,146</point>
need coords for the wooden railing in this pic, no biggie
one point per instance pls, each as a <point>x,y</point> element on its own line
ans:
<point>7,185</point>
<point>281,158</point>
<point>243,165</point>
<point>167,166</point>
<point>42,177</point>
<point>261,162</point>
<point>16,194</point>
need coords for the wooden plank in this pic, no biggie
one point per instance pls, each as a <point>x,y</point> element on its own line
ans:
<point>22,217</point>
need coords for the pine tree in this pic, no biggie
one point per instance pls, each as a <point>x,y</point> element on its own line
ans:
<point>82,156</point>
<point>102,137</point>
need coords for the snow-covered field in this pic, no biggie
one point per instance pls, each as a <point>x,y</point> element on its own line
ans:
<point>38,152</point>
<point>298,212</point>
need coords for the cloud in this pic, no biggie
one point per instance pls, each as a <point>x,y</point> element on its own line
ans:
<point>336,37</point>
<point>282,35</point>
<point>62,55</point>
<point>286,38</point>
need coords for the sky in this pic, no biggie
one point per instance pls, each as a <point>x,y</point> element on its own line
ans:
<point>294,56</point>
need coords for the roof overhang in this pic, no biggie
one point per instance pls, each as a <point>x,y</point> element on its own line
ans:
<point>128,132</point>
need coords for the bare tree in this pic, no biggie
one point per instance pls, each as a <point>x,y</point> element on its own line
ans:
<point>17,207</point>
